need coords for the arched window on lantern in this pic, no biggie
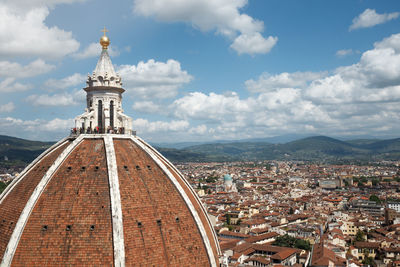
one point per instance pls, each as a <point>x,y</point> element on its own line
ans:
<point>112,114</point>
<point>100,115</point>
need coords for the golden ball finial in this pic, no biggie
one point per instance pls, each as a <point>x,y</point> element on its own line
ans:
<point>104,40</point>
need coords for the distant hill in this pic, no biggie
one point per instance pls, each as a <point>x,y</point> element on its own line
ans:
<point>18,152</point>
<point>321,147</point>
<point>384,146</point>
<point>179,145</point>
<point>310,148</point>
<point>315,148</point>
<point>362,141</point>
<point>230,151</point>
<point>281,139</point>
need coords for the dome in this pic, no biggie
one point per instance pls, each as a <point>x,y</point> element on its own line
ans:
<point>104,200</point>
<point>227,177</point>
<point>104,197</point>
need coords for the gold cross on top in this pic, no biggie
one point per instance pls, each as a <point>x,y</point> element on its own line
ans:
<point>104,30</point>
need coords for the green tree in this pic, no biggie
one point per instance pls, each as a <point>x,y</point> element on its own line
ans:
<point>375,198</point>
<point>3,186</point>
<point>363,181</point>
<point>302,244</point>
<point>368,260</point>
<point>211,179</point>
<point>359,236</point>
<point>291,242</point>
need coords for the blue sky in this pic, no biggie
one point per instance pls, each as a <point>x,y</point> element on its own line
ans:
<point>206,69</point>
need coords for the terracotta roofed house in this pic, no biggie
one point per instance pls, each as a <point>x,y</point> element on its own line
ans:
<point>322,256</point>
<point>104,197</point>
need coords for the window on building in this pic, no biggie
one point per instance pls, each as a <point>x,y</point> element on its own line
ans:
<point>100,115</point>
<point>112,114</point>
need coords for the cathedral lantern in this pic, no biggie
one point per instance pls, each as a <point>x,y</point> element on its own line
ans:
<point>104,113</point>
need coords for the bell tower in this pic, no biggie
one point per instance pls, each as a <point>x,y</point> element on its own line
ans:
<point>104,113</point>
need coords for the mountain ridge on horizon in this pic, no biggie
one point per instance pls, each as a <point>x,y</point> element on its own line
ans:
<point>279,139</point>
<point>312,148</point>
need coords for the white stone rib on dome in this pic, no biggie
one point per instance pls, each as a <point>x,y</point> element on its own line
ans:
<point>115,197</point>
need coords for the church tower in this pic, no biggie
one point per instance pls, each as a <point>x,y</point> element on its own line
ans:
<point>104,197</point>
<point>104,98</point>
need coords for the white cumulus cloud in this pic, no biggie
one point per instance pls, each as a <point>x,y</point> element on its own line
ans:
<point>147,107</point>
<point>94,50</point>
<point>57,124</point>
<point>357,99</point>
<point>374,78</point>
<point>224,16</point>
<point>214,106</point>
<point>37,129</point>
<point>253,44</point>
<point>145,126</point>
<point>29,4</point>
<point>7,107</point>
<point>56,100</point>
<point>370,18</point>
<point>229,116</point>
<point>24,33</point>
<point>16,70</point>
<point>153,79</point>
<point>199,130</point>
<point>69,81</point>
<point>267,82</point>
<point>10,71</point>
<point>344,52</point>
<point>9,85</point>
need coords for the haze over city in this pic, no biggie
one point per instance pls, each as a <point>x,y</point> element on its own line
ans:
<point>206,70</point>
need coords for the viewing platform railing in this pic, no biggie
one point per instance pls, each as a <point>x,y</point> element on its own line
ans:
<point>75,132</point>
